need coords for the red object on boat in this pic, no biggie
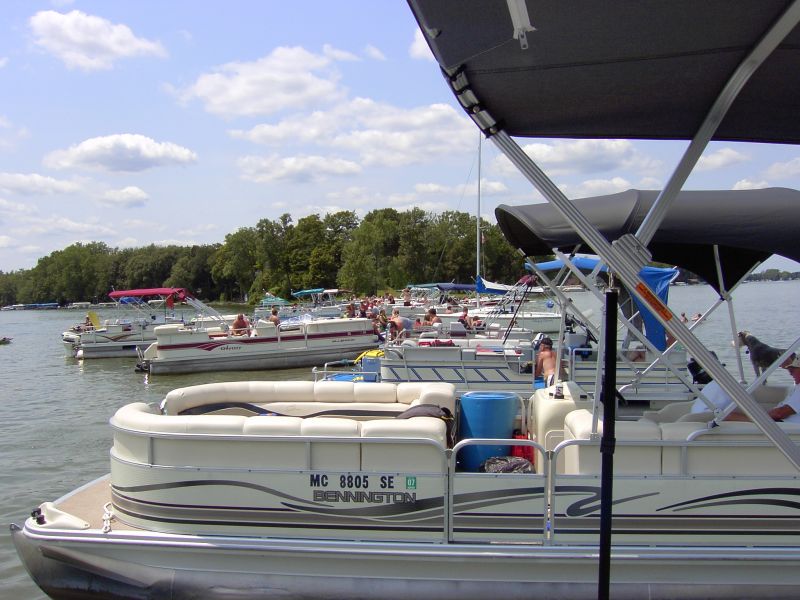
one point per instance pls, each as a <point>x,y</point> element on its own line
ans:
<point>175,293</point>
<point>526,452</point>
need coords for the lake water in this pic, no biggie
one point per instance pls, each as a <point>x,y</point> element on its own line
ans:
<point>54,410</point>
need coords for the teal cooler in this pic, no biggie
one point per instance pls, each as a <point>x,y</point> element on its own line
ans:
<point>371,367</point>
<point>485,415</point>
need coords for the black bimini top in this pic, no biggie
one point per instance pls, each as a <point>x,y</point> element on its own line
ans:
<point>748,226</point>
<point>647,69</point>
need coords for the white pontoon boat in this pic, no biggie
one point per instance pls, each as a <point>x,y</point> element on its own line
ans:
<point>123,335</point>
<point>300,342</point>
<point>317,491</point>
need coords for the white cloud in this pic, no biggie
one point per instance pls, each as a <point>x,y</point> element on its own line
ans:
<point>782,170</point>
<point>9,135</point>
<point>569,157</point>
<point>374,53</point>
<point>126,197</point>
<point>649,183</point>
<point>3,61</point>
<point>128,242</point>
<point>148,224</point>
<point>747,184</point>
<point>488,188</point>
<point>340,55</point>
<point>287,78</point>
<point>379,134</point>
<point>723,157</point>
<point>419,47</point>
<point>88,42</point>
<point>55,224</point>
<point>263,169</point>
<point>7,242</point>
<point>14,208</point>
<point>120,152</point>
<point>33,184</point>
<point>198,229</point>
<point>596,187</point>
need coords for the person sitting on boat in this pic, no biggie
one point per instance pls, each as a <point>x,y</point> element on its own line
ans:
<point>788,410</point>
<point>240,325</point>
<point>407,297</point>
<point>546,361</point>
<point>465,319</point>
<point>382,321</point>
<point>87,324</point>
<point>274,318</point>
<point>432,318</point>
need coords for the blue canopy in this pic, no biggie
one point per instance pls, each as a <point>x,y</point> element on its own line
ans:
<point>448,287</point>
<point>300,293</point>
<point>657,278</point>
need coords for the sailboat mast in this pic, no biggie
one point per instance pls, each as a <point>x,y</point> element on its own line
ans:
<point>478,225</point>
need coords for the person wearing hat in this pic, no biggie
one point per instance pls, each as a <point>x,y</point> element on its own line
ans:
<point>545,361</point>
<point>787,410</point>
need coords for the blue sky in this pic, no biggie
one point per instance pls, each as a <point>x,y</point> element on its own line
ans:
<point>178,122</point>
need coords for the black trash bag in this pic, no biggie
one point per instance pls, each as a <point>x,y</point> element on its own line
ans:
<point>506,464</point>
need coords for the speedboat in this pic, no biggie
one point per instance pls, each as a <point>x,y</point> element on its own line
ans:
<point>300,342</point>
<point>322,490</point>
<point>124,335</point>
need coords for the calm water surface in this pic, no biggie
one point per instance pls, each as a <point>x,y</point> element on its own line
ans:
<point>54,410</point>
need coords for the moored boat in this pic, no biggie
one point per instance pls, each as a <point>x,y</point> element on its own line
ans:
<point>123,335</point>
<point>294,343</point>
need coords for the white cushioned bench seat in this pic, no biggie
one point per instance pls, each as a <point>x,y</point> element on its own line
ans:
<point>291,397</point>
<point>730,459</point>
<point>628,460</point>
<point>141,434</point>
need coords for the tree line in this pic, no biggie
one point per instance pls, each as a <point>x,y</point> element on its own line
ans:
<point>386,250</point>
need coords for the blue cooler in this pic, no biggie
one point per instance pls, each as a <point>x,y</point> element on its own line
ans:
<point>486,415</point>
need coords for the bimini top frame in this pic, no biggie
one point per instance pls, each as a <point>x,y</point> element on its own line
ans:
<point>698,71</point>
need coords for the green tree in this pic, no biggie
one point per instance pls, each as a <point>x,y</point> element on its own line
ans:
<point>234,263</point>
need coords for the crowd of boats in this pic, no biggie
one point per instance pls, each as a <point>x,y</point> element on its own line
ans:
<point>437,467</point>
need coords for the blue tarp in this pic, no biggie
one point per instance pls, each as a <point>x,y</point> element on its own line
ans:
<point>658,279</point>
<point>487,287</point>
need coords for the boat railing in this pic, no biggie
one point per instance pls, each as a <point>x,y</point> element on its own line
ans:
<point>554,481</point>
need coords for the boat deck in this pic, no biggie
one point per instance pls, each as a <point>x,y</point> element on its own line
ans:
<point>88,501</point>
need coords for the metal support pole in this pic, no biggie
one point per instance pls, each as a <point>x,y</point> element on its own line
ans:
<point>607,444</point>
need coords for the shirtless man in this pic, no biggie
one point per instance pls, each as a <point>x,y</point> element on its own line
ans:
<point>240,325</point>
<point>274,318</point>
<point>545,361</point>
